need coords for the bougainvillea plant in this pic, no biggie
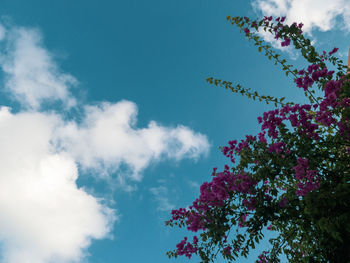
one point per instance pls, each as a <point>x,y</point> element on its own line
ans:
<point>293,178</point>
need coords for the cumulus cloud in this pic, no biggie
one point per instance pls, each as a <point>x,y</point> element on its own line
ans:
<point>32,75</point>
<point>45,216</point>
<point>322,14</point>
<point>108,137</point>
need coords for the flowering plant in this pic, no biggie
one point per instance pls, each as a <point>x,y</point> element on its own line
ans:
<point>292,178</point>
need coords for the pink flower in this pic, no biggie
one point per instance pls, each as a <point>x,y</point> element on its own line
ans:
<point>334,50</point>
<point>242,219</point>
<point>286,42</point>
<point>227,250</point>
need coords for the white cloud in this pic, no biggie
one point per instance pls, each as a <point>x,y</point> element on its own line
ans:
<point>32,75</point>
<point>108,138</point>
<point>320,14</point>
<point>45,216</point>
<point>160,194</point>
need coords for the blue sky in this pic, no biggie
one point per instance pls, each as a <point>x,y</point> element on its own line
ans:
<point>107,122</point>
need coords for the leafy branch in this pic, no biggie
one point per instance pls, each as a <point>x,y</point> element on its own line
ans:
<point>247,92</point>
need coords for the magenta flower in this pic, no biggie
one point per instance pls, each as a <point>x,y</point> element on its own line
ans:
<point>334,50</point>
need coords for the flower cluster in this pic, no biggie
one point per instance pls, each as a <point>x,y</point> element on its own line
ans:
<point>186,248</point>
<point>242,221</point>
<point>178,214</point>
<point>313,73</point>
<point>277,147</point>
<point>307,179</point>
<point>297,115</point>
<point>213,194</point>
<point>235,147</point>
<point>251,193</point>
<point>227,250</point>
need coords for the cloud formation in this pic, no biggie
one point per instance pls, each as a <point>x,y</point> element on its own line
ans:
<point>32,77</point>
<point>321,14</point>
<point>45,216</point>
<point>108,137</point>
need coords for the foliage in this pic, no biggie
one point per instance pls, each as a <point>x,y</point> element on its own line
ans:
<point>292,178</point>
